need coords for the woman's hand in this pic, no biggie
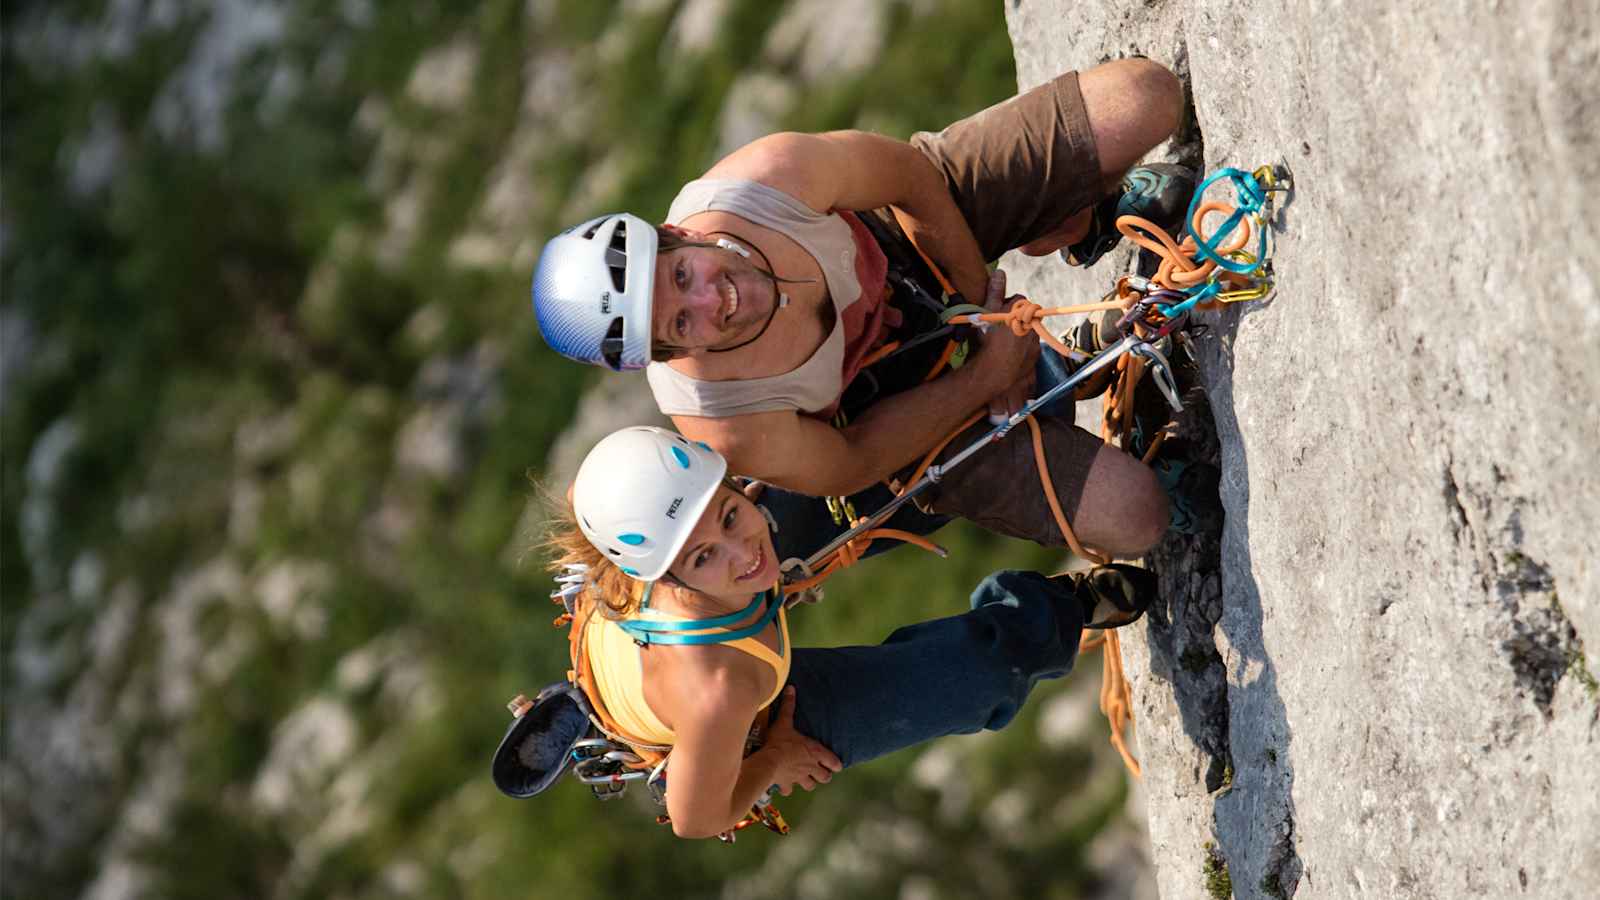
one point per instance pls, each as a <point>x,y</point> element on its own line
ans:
<point>796,759</point>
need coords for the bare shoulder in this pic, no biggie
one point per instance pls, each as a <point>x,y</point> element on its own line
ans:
<point>765,155</point>
<point>790,161</point>
<point>712,683</point>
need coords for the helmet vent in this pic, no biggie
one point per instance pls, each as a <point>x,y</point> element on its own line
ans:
<point>611,345</point>
<point>617,259</point>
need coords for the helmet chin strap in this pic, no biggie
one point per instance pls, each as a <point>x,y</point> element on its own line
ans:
<point>783,299</point>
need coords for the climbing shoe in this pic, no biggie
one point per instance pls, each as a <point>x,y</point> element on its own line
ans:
<point>1096,332</point>
<point>1110,596</point>
<point>1191,484</point>
<point>1192,487</point>
<point>1091,336</point>
<point>1159,192</point>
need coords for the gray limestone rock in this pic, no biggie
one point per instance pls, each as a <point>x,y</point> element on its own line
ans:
<point>1374,683</point>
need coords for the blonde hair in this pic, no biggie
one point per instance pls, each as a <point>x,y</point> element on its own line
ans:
<point>564,543</point>
<point>615,595</point>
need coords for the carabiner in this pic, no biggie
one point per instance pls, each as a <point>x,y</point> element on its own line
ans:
<point>1161,373</point>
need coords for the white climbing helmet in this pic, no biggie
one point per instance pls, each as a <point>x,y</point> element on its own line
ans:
<point>591,291</point>
<point>640,492</point>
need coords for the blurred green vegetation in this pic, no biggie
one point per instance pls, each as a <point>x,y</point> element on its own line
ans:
<point>178,308</point>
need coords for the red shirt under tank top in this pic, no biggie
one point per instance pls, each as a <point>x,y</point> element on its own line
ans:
<point>867,321</point>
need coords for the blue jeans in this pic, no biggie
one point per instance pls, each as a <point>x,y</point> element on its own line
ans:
<point>953,675</point>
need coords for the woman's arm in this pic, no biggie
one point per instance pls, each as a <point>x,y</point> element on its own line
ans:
<point>710,784</point>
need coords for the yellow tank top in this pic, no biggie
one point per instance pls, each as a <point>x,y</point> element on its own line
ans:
<point>619,672</point>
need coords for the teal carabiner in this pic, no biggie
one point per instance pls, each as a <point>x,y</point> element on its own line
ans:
<point>1195,295</point>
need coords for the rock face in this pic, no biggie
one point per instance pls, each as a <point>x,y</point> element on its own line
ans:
<point>1375,683</point>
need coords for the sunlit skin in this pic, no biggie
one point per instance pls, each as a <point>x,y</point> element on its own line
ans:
<point>707,297</point>
<point>710,695</point>
<point>729,554</point>
<point>834,171</point>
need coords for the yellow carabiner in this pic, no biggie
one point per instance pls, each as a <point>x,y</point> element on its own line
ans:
<point>841,509</point>
<point>1260,289</point>
<point>1274,177</point>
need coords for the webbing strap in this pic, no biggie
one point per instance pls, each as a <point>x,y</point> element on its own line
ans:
<point>693,624</point>
<point>646,631</point>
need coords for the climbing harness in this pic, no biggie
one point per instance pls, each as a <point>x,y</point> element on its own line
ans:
<point>566,727</point>
<point>914,351</point>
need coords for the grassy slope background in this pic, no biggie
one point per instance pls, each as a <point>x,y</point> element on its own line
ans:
<point>256,640</point>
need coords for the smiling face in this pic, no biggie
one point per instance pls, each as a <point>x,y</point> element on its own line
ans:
<point>729,555</point>
<point>708,298</point>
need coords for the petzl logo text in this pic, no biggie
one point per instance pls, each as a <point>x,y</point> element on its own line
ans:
<point>605,303</point>
<point>672,511</point>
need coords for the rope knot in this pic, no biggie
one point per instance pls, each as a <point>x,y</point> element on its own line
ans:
<point>1022,316</point>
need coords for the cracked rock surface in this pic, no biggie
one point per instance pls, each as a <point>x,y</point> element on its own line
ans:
<point>1377,680</point>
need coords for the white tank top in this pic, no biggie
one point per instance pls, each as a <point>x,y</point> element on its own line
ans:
<point>813,385</point>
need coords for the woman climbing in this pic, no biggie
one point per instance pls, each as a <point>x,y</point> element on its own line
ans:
<point>684,639</point>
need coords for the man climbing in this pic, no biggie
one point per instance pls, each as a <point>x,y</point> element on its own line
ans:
<point>757,306</point>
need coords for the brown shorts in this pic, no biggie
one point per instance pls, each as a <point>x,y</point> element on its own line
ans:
<point>998,487</point>
<point>1019,168</point>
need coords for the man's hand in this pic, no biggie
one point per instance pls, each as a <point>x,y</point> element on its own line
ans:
<point>1005,357</point>
<point>798,760</point>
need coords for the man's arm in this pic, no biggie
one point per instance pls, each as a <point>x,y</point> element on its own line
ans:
<point>860,170</point>
<point>812,457</point>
